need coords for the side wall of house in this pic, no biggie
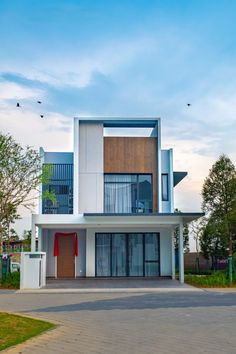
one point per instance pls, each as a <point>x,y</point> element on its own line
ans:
<point>91,181</point>
<point>167,169</point>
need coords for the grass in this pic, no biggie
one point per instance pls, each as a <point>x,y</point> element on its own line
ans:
<point>12,281</point>
<point>16,329</point>
<point>217,279</point>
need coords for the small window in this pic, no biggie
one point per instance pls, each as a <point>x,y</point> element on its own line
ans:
<point>164,187</point>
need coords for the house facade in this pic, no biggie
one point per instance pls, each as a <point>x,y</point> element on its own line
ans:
<point>114,211</point>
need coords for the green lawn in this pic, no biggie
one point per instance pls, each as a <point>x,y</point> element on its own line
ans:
<point>16,329</point>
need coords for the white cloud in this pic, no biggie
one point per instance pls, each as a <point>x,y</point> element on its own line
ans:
<point>26,126</point>
<point>76,69</point>
<point>11,90</point>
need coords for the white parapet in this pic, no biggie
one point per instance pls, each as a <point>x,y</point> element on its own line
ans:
<point>33,270</point>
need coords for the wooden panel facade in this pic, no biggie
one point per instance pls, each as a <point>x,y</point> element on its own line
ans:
<point>132,155</point>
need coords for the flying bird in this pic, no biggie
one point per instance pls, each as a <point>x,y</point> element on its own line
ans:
<point>17,105</point>
<point>39,102</point>
<point>41,116</point>
<point>188,104</point>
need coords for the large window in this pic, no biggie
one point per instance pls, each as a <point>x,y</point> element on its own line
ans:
<point>127,254</point>
<point>128,193</point>
<point>61,184</point>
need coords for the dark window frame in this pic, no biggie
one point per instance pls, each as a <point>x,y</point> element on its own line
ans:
<point>127,254</point>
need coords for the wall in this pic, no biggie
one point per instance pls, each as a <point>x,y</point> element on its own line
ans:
<point>48,246</point>
<point>91,181</point>
<point>132,155</point>
<point>165,247</point>
<point>167,168</point>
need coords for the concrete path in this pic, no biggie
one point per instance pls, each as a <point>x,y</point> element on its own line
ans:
<point>117,285</point>
<point>129,323</point>
<point>111,286</point>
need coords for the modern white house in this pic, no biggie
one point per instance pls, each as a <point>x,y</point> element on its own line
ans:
<point>114,215</point>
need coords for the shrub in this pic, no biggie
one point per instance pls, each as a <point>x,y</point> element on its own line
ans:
<point>217,279</point>
<point>12,281</point>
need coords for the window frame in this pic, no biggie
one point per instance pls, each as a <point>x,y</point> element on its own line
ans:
<point>163,197</point>
<point>137,184</point>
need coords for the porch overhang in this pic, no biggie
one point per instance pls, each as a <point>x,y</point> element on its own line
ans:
<point>91,220</point>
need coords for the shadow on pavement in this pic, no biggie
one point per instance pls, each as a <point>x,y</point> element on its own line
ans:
<point>147,301</point>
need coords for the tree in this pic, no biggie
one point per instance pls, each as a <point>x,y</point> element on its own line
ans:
<point>27,240</point>
<point>219,202</point>
<point>196,229</point>
<point>20,175</point>
<point>185,236</point>
<point>213,244</point>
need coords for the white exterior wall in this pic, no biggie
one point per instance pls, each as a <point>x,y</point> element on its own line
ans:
<point>166,252</point>
<point>48,247</point>
<point>91,181</point>
<point>167,167</point>
<point>90,253</point>
<point>165,247</point>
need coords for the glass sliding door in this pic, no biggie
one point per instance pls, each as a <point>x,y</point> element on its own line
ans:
<point>127,255</point>
<point>103,255</point>
<point>135,255</point>
<point>151,254</point>
<point>119,255</point>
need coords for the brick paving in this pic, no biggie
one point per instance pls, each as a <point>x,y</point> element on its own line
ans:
<point>128,323</point>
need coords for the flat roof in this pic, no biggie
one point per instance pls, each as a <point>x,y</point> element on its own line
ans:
<point>188,217</point>
<point>122,122</point>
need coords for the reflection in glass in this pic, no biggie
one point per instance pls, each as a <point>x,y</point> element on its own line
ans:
<point>118,255</point>
<point>103,255</point>
<point>135,249</point>
<point>127,254</point>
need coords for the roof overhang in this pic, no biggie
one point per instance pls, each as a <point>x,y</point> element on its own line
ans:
<point>91,220</point>
<point>178,176</point>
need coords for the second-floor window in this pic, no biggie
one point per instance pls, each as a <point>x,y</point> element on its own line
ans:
<point>61,184</point>
<point>128,193</point>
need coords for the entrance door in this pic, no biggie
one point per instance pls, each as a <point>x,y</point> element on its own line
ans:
<point>66,258</point>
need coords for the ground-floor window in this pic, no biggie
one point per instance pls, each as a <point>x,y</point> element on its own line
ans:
<point>127,254</point>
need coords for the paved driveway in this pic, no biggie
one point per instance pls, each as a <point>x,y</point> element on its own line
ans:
<point>120,323</point>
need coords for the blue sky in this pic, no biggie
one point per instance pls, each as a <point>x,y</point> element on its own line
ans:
<point>134,58</point>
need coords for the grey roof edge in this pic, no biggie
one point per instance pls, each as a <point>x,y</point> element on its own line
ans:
<point>88,118</point>
<point>187,214</point>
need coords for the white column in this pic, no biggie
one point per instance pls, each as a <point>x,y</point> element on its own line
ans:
<point>173,253</point>
<point>33,233</point>
<point>159,194</point>
<point>181,253</point>
<point>90,253</point>
<point>76,168</point>
<point>40,235</point>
